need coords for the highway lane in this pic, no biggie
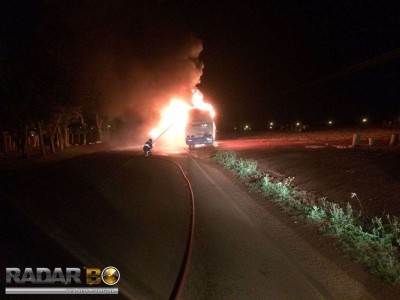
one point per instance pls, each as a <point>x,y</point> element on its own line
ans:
<point>114,208</point>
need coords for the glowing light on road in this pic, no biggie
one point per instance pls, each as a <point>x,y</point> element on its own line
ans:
<point>330,122</point>
<point>364,120</point>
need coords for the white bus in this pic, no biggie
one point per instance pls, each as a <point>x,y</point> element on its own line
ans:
<point>200,128</point>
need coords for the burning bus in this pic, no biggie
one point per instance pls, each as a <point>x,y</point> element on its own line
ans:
<point>200,127</point>
<point>179,119</point>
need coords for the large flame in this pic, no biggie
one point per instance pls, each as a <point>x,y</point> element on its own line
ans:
<point>198,102</point>
<point>174,118</point>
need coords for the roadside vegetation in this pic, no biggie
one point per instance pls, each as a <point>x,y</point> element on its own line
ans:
<point>373,242</point>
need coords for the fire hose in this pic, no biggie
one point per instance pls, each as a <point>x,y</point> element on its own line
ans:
<point>162,133</point>
<point>183,274</point>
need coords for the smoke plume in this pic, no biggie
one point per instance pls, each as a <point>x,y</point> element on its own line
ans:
<point>132,61</point>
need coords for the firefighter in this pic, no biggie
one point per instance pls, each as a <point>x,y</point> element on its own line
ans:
<point>147,147</point>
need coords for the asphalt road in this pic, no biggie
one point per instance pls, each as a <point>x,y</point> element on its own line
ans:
<point>234,257</point>
<point>131,212</point>
<point>107,209</point>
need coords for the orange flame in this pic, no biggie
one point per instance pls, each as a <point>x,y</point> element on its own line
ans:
<point>198,102</point>
<point>174,118</point>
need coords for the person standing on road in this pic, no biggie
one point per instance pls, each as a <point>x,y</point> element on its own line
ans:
<point>147,147</point>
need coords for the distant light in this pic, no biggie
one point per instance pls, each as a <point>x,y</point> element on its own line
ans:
<point>271,124</point>
<point>330,122</point>
<point>364,120</point>
<point>270,127</point>
<point>235,128</point>
<point>247,127</point>
<point>297,124</point>
<point>108,126</point>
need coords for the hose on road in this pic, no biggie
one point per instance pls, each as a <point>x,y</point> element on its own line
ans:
<point>184,268</point>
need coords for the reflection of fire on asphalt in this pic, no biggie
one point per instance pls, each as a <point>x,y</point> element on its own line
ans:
<point>199,151</point>
<point>169,150</point>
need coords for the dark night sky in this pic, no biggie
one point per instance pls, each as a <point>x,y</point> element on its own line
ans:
<point>262,59</point>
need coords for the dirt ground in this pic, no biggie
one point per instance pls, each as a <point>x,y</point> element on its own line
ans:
<point>322,163</point>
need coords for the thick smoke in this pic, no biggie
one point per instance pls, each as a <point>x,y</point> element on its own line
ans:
<point>147,83</point>
<point>126,58</point>
<point>134,63</point>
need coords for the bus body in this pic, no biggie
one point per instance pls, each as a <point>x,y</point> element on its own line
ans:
<point>200,128</point>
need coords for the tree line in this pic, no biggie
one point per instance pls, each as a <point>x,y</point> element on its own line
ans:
<point>38,95</point>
